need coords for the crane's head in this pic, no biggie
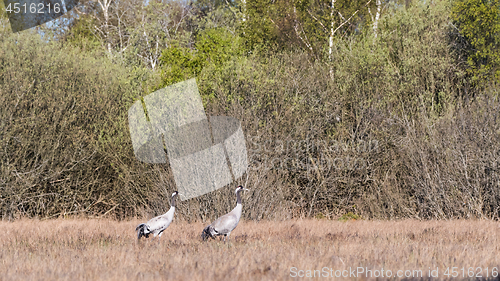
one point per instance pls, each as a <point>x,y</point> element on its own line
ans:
<point>240,188</point>
<point>172,203</point>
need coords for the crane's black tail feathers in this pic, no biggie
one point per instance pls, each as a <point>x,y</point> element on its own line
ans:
<point>140,230</point>
<point>207,233</point>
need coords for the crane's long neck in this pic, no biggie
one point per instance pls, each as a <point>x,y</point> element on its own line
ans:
<point>172,203</point>
<point>238,197</point>
<point>237,210</point>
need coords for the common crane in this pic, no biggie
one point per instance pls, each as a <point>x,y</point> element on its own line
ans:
<point>227,223</point>
<point>157,224</point>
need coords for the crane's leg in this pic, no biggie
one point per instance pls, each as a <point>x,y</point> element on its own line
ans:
<point>226,235</point>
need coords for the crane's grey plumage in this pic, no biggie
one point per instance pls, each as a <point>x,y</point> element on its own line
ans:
<point>157,225</point>
<point>227,223</point>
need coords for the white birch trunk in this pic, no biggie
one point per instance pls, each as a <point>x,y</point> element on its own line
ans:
<point>377,17</point>
<point>332,25</point>
<point>296,27</point>
<point>330,40</point>
<point>105,9</point>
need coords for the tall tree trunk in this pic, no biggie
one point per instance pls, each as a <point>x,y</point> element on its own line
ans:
<point>330,40</point>
<point>105,9</point>
<point>377,17</point>
<point>332,30</point>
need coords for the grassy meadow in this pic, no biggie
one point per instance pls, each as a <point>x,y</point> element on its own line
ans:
<point>102,249</point>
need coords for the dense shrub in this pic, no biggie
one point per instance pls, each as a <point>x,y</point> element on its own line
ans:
<point>386,129</point>
<point>63,131</point>
<point>478,22</point>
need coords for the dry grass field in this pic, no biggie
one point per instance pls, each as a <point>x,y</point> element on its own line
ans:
<point>74,249</point>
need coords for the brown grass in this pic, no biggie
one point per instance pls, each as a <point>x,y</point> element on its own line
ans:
<point>108,250</point>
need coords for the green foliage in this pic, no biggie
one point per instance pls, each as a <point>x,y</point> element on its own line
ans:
<point>81,34</point>
<point>259,31</point>
<point>157,25</point>
<point>213,47</point>
<point>319,216</point>
<point>350,216</point>
<point>215,14</point>
<point>4,20</point>
<point>479,22</point>
<point>178,64</point>
<point>216,46</point>
<point>289,24</point>
<point>409,70</point>
<point>3,13</point>
<point>317,19</point>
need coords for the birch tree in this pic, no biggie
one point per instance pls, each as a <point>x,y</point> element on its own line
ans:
<point>317,23</point>
<point>160,26</point>
<point>110,20</point>
<point>136,31</point>
<point>375,19</point>
<point>104,28</point>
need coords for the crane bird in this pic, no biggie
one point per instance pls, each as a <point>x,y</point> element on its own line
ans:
<point>227,223</point>
<point>158,224</point>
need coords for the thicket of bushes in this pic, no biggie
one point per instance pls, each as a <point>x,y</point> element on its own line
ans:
<point>63,130</point>
<point>390,128</point>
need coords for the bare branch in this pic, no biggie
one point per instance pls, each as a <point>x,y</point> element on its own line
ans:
<point>295,27</point>
<point>324,27</point>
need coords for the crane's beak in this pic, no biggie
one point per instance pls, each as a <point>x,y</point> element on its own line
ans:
<point>246,189</point>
